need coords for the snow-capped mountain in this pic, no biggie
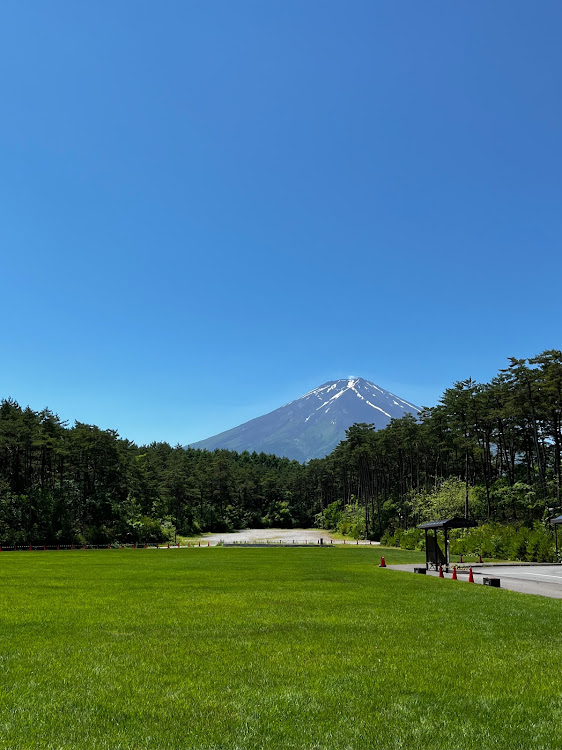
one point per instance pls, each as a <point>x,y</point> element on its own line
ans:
<point>315,423</point>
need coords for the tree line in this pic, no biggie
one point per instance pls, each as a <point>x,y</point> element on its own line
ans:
<point>489,451</point>
<point>84,484</point>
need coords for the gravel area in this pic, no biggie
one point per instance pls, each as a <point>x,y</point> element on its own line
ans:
<point>286,536</point>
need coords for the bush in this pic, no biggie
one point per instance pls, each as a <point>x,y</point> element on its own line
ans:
<point>390,539</point>
<point>350,521</point>
<point>510,542</point>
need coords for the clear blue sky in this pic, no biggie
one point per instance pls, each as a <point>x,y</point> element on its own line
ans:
<point>209,208</point>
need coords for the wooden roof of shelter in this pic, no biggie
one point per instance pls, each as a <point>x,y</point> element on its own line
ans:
<point>450,523</point>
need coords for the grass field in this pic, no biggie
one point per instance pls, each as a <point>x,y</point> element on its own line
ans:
<point>269,648</point>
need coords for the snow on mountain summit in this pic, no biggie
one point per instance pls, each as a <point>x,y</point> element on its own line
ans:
<point>362,389</point>
<point>312,425</point>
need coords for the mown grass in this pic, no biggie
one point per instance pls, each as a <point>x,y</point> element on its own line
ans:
<point>269,648</point>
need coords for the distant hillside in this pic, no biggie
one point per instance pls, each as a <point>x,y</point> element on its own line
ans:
<point>314,424</point>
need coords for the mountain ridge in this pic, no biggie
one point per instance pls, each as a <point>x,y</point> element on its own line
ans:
<point>312,425</point>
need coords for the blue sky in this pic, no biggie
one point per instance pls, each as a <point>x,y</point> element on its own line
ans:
<point>207,209</point>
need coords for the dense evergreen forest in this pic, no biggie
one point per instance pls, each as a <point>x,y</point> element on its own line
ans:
<point>488,451</point>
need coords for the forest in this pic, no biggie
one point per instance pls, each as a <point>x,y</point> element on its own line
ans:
<point>488,451</point>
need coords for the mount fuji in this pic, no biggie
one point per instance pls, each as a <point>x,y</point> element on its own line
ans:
<point>312,425</point>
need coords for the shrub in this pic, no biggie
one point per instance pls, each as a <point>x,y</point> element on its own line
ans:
<point>503,542</point>
<point>350,521</point>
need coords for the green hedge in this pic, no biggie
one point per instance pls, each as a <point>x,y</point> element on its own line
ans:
<point>510,542</point>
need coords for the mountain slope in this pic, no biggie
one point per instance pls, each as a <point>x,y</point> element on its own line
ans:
<point>314,424</point>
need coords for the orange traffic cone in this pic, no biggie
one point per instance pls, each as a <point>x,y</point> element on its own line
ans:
<point>454,576</point>
<point>383,563</point>
<point>441,572</point>
<point>470,576</point>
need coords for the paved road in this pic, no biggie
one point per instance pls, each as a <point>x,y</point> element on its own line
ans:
<point>545,580</point>
<point>542,580</point>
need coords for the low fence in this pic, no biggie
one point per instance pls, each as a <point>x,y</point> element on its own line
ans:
<point>178,545</point>
<point>298,543</point>
<point>65,547</point>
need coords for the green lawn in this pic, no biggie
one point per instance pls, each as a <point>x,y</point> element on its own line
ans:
<point>269,648</point>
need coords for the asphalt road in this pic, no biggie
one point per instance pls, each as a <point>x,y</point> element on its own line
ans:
<point>545,580</point>
<point>541,580</point>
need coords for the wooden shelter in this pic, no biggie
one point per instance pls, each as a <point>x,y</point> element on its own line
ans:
<point>434,556</point>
